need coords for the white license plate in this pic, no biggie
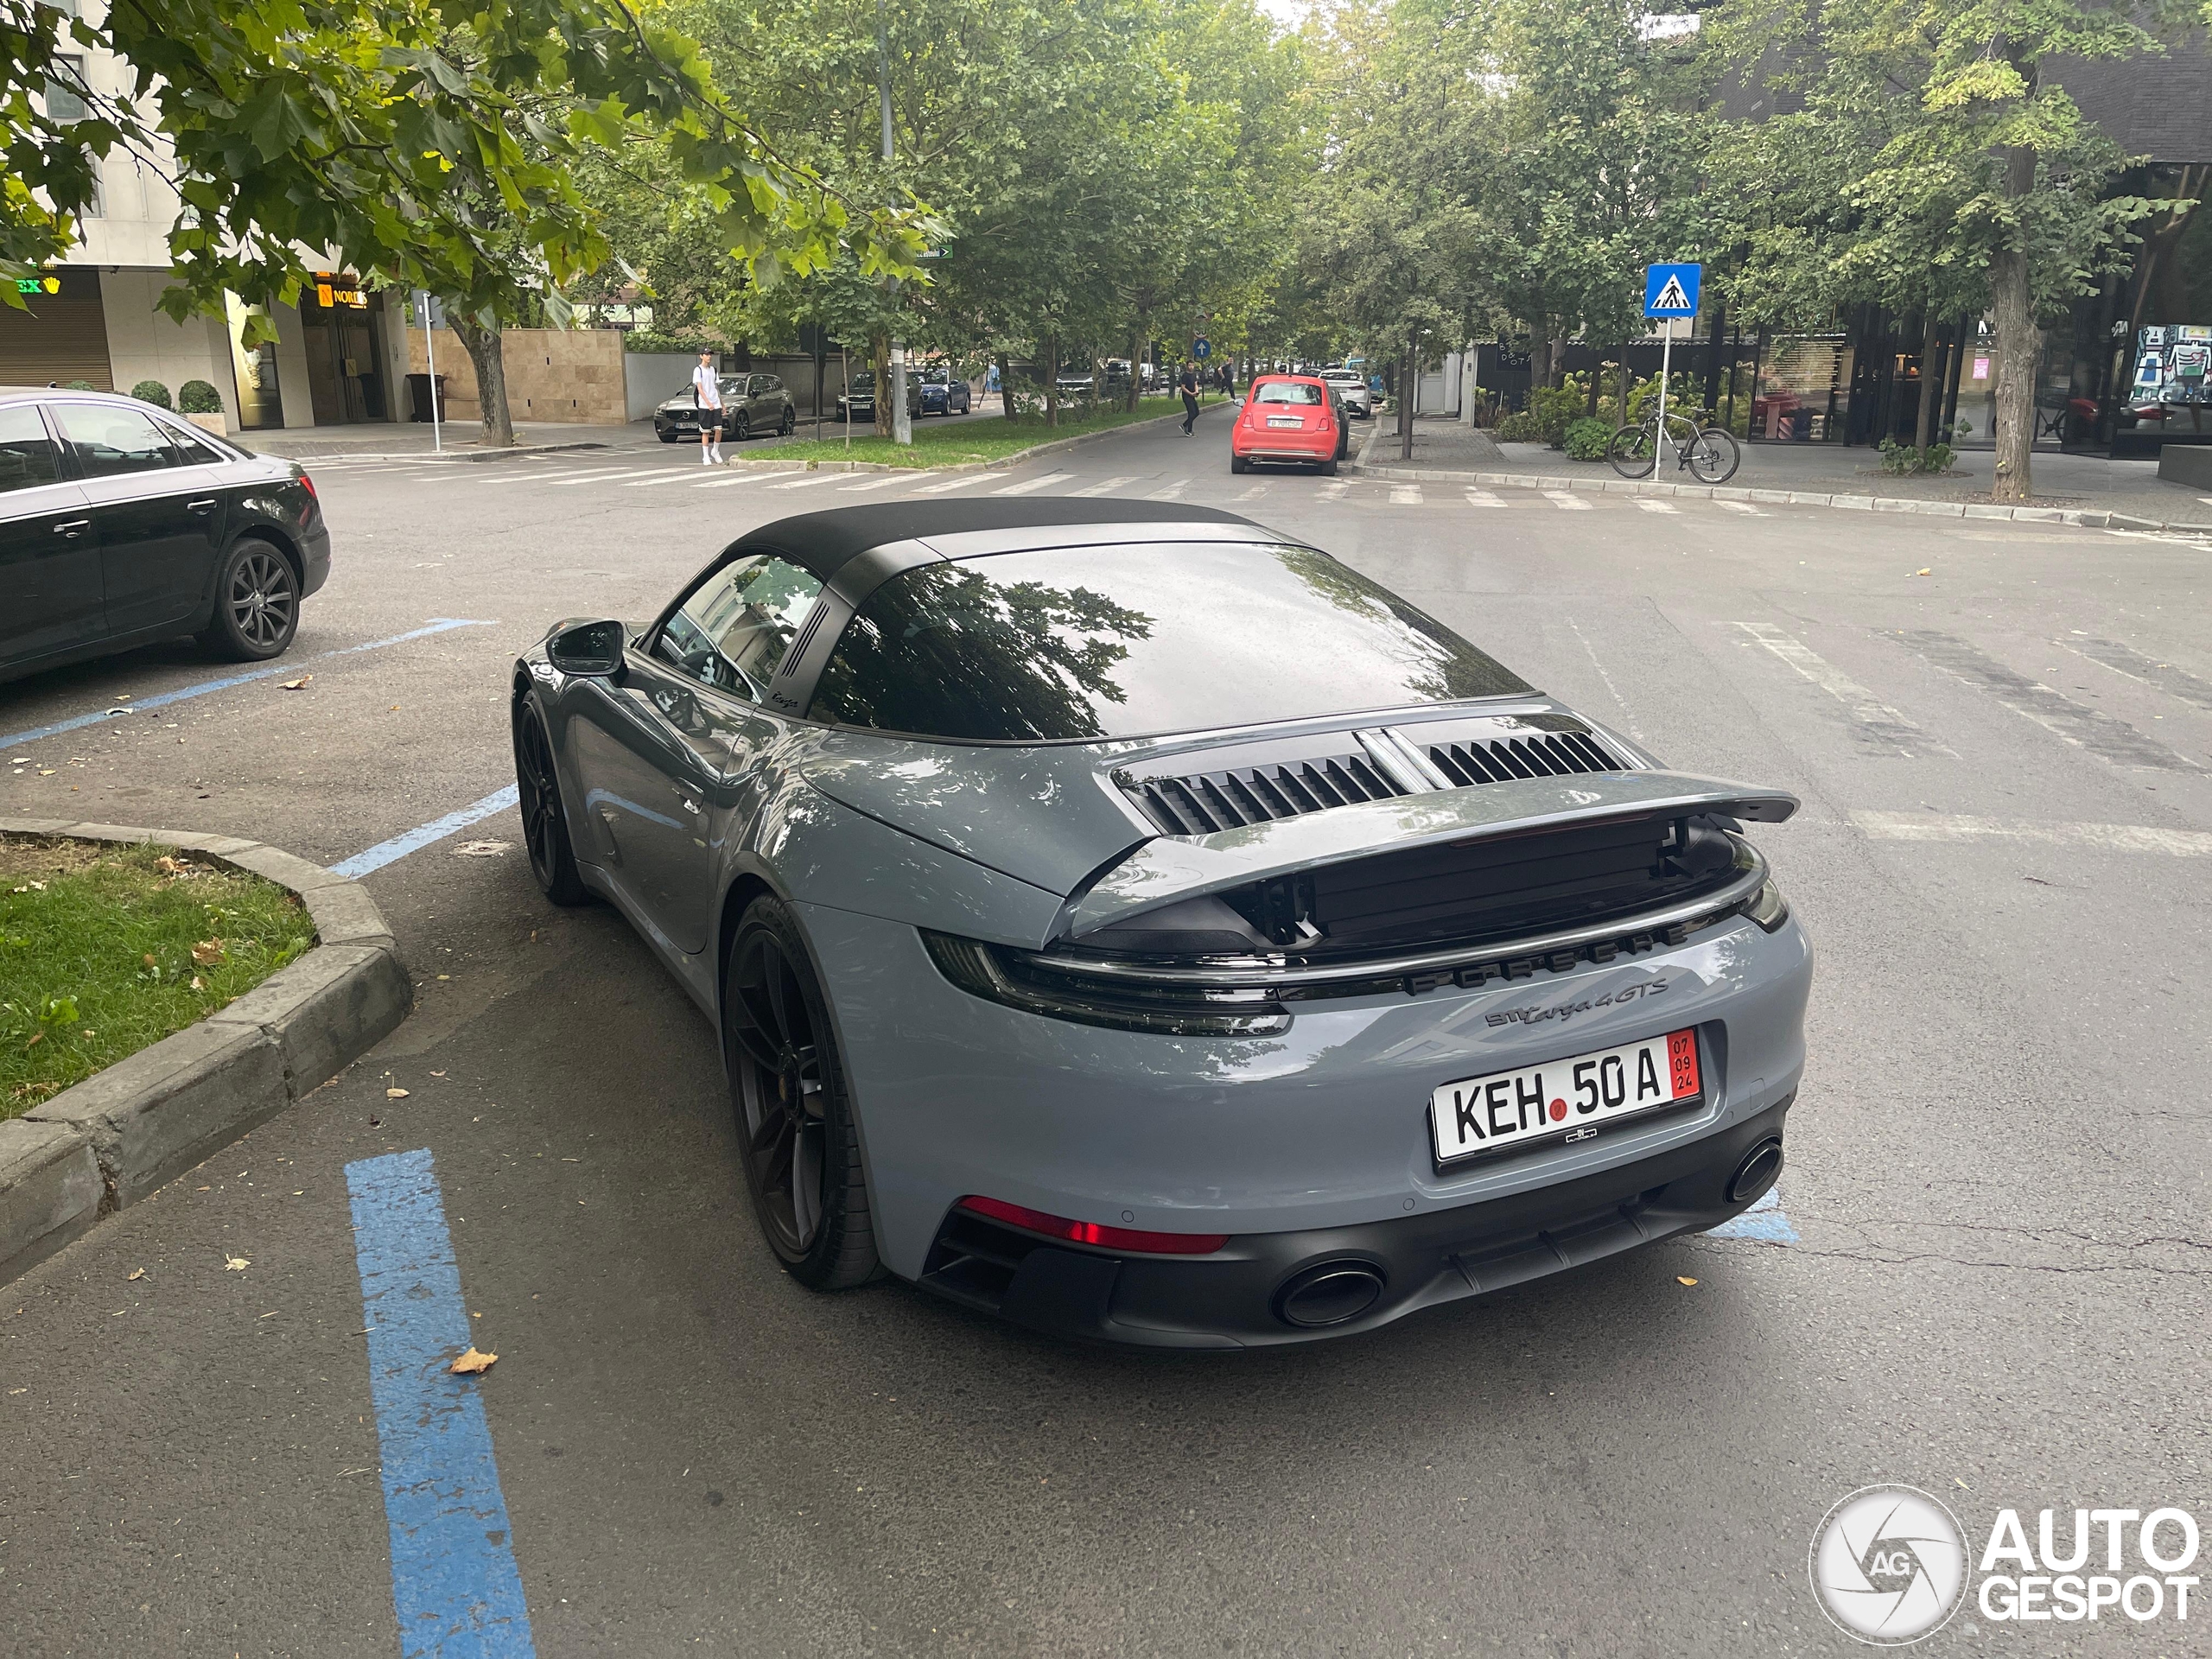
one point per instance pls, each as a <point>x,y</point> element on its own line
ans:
<point>1284,420</point>
<point>1564,1099</point>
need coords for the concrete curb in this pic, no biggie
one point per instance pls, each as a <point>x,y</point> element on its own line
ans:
<point>2088,517</point>
<point>769,464</point>
<point>121,1134</point>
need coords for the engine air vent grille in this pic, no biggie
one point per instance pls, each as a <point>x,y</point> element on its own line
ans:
<point>1554,754</point>
<point>1203,801</point>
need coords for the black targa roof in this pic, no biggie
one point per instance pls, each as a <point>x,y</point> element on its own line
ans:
<point>824,543</point>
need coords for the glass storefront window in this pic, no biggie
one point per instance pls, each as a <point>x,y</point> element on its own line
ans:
<point>261,404</point>
<point>1803,391</point>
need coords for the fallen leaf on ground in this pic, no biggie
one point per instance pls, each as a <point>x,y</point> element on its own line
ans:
<point>482,849</point>
<point>136,1272</point>
<point>207,952</point>
<point>437,1074</point>
<point>198,983</point>
<point>235,1264</point>
<point>148,960</point>
<point>472,1362</point>
<point>1680,1280</point>
<point>394,1094</point>
<point>1924,570</point>
<point>37,1037</point>
<point>294,685</point>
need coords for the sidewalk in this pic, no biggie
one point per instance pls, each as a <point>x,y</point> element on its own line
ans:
<point>387,438</point>
<point>2070,483</point>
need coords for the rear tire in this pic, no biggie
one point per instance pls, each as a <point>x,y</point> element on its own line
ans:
<point>257,604</point>
<point>1329,467</point>
<point>1714,455</point>
<point>544,825</point>
<point>1239,464</point>
<point>796,1135</point>
<point>789,423</point>
<point>1632,452</point>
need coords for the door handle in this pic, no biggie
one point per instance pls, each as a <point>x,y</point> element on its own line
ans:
<point>208,505</point>
<point>73,528</point>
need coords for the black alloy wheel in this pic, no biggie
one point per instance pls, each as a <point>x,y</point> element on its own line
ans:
<point>544,825</point>
<point>257,604</point>
<point>794,1123</point>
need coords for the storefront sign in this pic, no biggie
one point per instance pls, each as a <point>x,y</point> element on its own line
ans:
<point>38,284</point>
<point>333,290</point>
<point>1981,368</point>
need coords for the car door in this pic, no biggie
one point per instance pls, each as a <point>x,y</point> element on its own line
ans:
<point>759,407</point>
<point>156,532</point>
<point>50,592</point>
<point>669,752</point>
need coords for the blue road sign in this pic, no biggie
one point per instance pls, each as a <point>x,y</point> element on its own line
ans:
<point>1671,290</point>
<point>1202,348</point>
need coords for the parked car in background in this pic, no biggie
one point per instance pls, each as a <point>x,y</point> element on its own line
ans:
<point>1289,417</point>
<point>944,392</point>
<point>751,404</point>
<point>1352,387</point>
<point>859,402</point>
<point>121,525</point>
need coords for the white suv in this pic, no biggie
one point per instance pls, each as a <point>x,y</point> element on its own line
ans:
<point>1352,386</point>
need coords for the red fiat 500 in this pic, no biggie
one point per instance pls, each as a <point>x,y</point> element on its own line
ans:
<point>1287,418</point>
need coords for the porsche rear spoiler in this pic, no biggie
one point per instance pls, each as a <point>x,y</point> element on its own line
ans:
<point>1170,868</point>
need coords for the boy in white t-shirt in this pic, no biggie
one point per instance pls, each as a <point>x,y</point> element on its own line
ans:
<point>707,393</point>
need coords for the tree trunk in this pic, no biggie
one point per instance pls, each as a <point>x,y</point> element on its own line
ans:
<point>1407,382</point>
<point>2018,347</point>
<point>1006,386</point>
<point>1931,385</point>
<point>1559,365</point>
<point>1136,367</point>
<point>1051,380</point>
<point>1597,373</point>
<point>486,353</point>
<point>879,349</point>
<point>1540,361</point>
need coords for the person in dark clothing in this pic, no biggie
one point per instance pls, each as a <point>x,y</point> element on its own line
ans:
<point>1189,382</point>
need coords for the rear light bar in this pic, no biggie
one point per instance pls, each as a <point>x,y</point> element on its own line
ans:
<point>308,484</point>
<point>1091,1232</point>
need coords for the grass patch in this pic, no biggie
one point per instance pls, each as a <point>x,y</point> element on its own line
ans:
<point>105,949</point>
<point>989,439</point>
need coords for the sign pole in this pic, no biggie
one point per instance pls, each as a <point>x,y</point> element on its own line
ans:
<point>1665,358</point>
<point>430,361</point>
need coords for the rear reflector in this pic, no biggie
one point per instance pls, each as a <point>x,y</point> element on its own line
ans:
<point>1089,1232</point>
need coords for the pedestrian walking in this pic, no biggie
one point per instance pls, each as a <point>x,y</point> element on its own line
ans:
<point>1188,381</point>
<point>707,393</point>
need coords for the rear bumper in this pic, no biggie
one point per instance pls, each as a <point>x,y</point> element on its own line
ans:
<point>314,559</point>
<point>1236,1297</point>
<point>1305,447</point>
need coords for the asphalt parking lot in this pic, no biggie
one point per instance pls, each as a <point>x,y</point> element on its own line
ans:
<point>1984,1275</point>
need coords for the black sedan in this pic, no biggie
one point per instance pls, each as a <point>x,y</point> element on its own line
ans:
<point>944,393</point>
<point>121,524</point>
<point>751,404</point>
<point>859,402</point>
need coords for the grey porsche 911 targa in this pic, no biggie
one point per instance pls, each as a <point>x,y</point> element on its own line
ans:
<point>1123,919</point>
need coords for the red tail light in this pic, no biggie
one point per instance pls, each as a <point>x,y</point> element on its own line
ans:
<point>1091,1232</point>
<point>309,483</point>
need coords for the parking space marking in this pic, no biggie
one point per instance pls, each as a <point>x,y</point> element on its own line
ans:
<point>2100,733</point>
<point>1102,486</point>
<point>1765,1221</point>
<point>1875,718</point>
<point>1253,494</point>
<point>1030,484</point>
<point>1331,492</point>
<point>387,852</point>
<point>455,1587</point>
<point>1652,504</point>
<point>960,482</point>
<point>1567,501</point>
<point>436,625</point>
<point>2106,837</point>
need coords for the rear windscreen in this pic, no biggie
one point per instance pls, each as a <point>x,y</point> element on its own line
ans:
<point>1074,642</point>
<point>1287,392</point>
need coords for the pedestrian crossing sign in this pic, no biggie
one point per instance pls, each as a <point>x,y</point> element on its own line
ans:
<point>1671,290</point>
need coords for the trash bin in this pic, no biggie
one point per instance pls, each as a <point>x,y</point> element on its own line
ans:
<point>418,396</point>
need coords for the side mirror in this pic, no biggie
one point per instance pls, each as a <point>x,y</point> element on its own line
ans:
<point>591,649</point>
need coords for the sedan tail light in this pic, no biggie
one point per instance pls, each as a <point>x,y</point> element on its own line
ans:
<point>308,484</point>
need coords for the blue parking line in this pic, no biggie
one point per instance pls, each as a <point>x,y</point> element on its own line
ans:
<point>436,625</point>
<point>454,1585</point>
<point>1765,1221</point>
<point>385,852</point>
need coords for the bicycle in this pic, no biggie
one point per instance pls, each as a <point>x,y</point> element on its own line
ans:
<point>1709,453</point>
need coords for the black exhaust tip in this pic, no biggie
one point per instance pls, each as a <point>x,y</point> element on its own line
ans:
<point>1757,1170</point>
<point>1329,1292</point>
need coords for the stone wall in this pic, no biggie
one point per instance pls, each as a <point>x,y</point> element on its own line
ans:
<point>573,377</point>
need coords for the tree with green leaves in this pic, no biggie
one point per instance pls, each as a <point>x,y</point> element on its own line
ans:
<point>430,145</point>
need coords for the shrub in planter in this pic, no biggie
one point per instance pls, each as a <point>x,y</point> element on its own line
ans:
<point>152,392</point>
<point>80,386</point>
<point>1585,439</point>
<point>197,397</point>
<point>1519,427</point>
